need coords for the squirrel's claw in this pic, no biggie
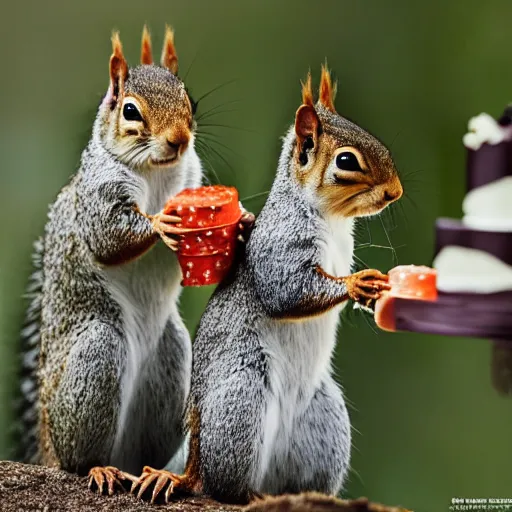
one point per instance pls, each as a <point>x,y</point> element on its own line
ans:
<point>160,222</point>
<point>145,482</point>
<point>162,481</point>
<point>170,242</point>
<point>163,225</point>
<point>163,478</point>
<point>246,224</point>
<point>366,286</point>
<point>110,475</point>
<point>247,218</point>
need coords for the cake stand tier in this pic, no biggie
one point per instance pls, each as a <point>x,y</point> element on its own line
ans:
<point>466,314</point>
<point>454,232</point>
<point>458,314</point>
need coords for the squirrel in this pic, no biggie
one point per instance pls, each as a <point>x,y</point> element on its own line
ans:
<point>107,364</point>
<point>265,415</point>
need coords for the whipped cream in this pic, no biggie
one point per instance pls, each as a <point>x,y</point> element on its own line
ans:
<point>464,270</point>
<point>485,129</point>
<point>489,207</point>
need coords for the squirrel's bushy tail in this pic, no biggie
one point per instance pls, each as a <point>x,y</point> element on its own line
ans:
<point>28,409</point>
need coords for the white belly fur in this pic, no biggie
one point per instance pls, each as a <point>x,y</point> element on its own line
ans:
<point>300,359</point>
<point>147,289</point>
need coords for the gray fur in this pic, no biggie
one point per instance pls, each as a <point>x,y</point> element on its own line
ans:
<point>30,345</point>
<point>114,356</point>
<point>257,374</point>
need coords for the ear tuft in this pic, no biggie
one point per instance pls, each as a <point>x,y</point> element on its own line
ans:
<point>327,90</point>
<point>145,54</point>
<point>307,91</point>
<point>169,57</point>
<point>118,67</point>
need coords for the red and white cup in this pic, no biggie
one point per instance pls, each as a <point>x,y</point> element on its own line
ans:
<point>210,217</point>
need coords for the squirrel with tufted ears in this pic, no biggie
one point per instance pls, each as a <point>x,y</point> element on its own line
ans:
<point>265,414</point>
<point>107,363</point>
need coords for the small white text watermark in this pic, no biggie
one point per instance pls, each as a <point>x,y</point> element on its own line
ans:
<point>481,504</point>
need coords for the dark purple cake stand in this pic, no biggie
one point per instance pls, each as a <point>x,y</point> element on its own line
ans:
<point>468,314</point>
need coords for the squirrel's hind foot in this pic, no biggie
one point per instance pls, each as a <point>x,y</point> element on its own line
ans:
<point>162,479</point>
<point>113,477</point>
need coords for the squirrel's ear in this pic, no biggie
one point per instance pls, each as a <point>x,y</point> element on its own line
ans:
<point>118,68</point>
<point>307,128</point>
<point>145,54</point>
<point>169,57</point>
<point>327,90</point>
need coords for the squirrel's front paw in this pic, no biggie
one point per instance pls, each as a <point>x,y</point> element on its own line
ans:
<point>110,475</point>
<point>366,286</point>
<point>163,225</point>
<point>246,224</point>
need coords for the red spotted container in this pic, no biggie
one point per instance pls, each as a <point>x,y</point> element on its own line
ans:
<point>212,215</point>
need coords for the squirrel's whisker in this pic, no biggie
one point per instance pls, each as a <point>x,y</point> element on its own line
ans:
<point>203,151</point>
<point>365,265</point>
<point>219,125</point>
<point>215,89</point>
<point>220,105</point>
<point>395,257</point>
<point>370,324</point>
<point>255,196</point>
<point>201,118</point>
<point>134,152</point>
<point>395,139</point>
<point>217,107</point>
<point>219,155</point>
<point>404,215</point>
<point>411,173</point>
<point>190,65</point>
<point>411,201</point>
<point>214,140</point>
<point>388,217</point>
<point>376,246</point>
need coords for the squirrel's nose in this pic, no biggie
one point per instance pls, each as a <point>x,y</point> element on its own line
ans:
<point>177,141</point>
<point>393,193</point>
<point>173,145</point>
<point>390,196</point>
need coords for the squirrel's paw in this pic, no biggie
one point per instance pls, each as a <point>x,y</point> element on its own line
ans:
<point>366,286</point>
<point>99,476</point>
<point>246,224</point>
<point>161,478</point>
<point>163,225</point>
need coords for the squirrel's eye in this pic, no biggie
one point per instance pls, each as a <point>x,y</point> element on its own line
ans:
<point>347,161</point>
<point>131,113</point>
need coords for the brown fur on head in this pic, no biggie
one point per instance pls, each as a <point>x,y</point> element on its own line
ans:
<point>350,172</point>
<point>147,117</point>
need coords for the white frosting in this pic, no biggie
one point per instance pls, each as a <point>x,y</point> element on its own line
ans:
<point>484,128</point>
<point>486,208</point>
<point>489,207</point>
<point>460,269</point>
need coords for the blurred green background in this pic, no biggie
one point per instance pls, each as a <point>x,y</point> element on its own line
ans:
<point>428,425</point>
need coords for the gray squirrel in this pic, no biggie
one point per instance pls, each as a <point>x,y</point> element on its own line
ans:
<point>265,415</point>
<point>106,371</point>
